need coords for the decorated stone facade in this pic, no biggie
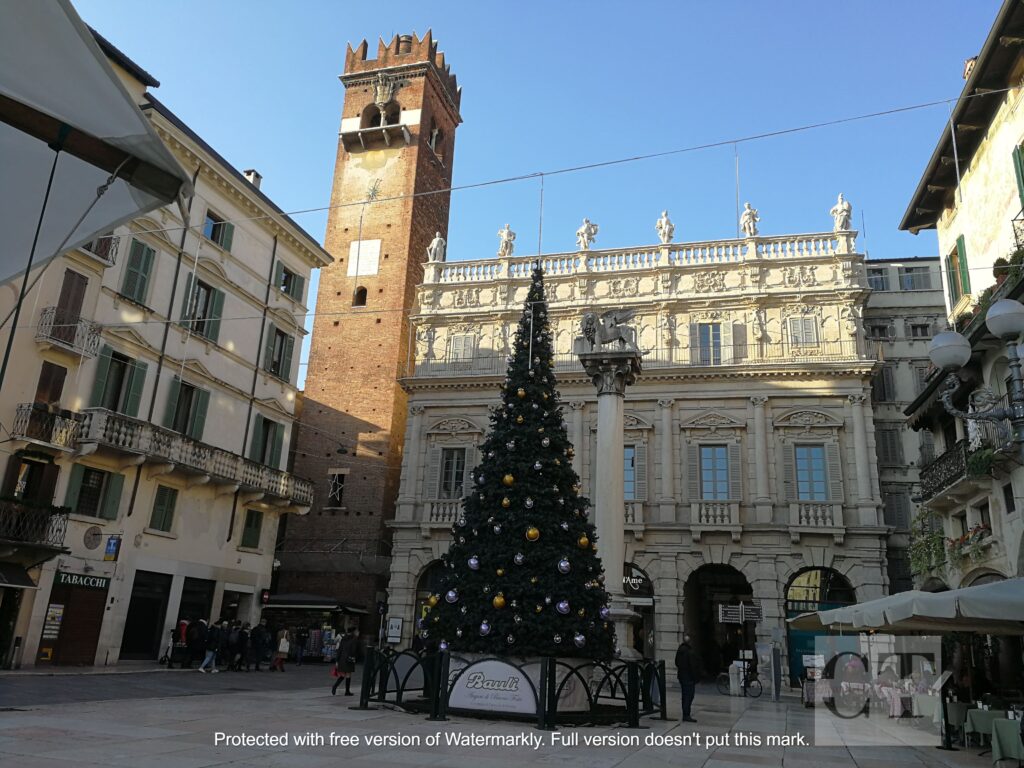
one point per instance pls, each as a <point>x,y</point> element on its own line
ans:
<point>750,470</point>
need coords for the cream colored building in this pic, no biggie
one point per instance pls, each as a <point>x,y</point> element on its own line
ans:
<point>905,309</point>
<point>970,527</point>
<point>152,392</point>
<point>750,468</point>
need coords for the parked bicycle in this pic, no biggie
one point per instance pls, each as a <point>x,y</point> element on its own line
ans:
<point>749,684</point>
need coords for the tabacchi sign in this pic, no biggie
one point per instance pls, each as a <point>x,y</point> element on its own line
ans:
<point>82,580</point>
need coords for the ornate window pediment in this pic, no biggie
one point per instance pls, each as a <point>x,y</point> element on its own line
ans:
<point>713,424</point>
<point>454,426</point>
<point>631,423</point>
<point>807,420</point>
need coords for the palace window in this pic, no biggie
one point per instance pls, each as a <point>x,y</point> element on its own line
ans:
<point>137,271</point>
<point>252,529</point>
<point>218,230</point>
<point>803,331</point>
<point>453,472</point>
<point>957,272</point>
<point>94,493</point>
<point>709,343</point>
<point>811,473</point>
<point>714,472</point>
<point>202,308</point>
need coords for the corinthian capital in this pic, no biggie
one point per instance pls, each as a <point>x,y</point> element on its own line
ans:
<point>666,403</point>
<point>759,401</point>
<point>611,377</point>
<point>857,399</point>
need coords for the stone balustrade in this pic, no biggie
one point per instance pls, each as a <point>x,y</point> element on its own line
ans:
<point>130,435</point>
<point>712,516</point>
<point>816,517</point>
<point>634,513</point>
<point>443,511</point>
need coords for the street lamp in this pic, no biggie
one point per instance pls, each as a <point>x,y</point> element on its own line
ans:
<point>950,351</point>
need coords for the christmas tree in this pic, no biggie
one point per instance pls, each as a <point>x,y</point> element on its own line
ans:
<point>522,576</point>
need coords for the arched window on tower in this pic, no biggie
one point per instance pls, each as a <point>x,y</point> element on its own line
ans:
<point>371,117</point>
<point>435,140</point>
<point>359,297</point>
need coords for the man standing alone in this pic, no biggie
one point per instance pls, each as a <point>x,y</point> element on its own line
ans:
<point>688,670</point>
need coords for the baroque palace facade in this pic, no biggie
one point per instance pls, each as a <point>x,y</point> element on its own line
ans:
<point>750,466</point>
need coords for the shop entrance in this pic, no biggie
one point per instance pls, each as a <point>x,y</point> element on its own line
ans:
<point>717,645</point>
<point>812,589</point>
<point>143,626</point>
<point>74,617</point>
<point>639,592</point>
<point>197,600</point>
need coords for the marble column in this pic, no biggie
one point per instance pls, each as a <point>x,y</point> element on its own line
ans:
<point>611,373</point>
<point>865,498</point>
<point>762,496</point>
<point>667,500</point>
<point>410,491</point>
<point>576,436</point>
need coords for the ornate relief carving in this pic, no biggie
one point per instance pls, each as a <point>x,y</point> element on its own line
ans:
<point>803,420</point>
<point>712,423</point>
<point>798,277</point>
<point>467,297</point>
<point>454,426</point>
<point>759,401</point>
<point>712,314</point>
<point>630,286</point>
<point>629,421</point>
<point>711,281</point>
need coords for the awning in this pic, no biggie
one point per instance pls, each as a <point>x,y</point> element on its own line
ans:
<point>304,601</point>
<point>15,577</point>
<point>57,88</point>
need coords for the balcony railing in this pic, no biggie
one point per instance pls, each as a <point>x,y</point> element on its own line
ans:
<point>816,516</point>
<point>31,524</point>
<point>1018,229</point>
<point>124,433</point>
<point>38,424</point>
<point>444,511</point>
<point>492,363</point>
<point>69,332</point>
<point>968,461</point>
<point>104,248</point>
<point>712,516</point>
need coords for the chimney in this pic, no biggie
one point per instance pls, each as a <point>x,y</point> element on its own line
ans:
<point>969,66</point>
<point>253,177</point>
<point>405,43</point>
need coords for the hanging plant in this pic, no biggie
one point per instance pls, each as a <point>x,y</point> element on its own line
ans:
<point>980,462</point>
<point>927,545</point>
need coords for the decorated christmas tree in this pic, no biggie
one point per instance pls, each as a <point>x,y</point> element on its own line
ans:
<point>522,576</point>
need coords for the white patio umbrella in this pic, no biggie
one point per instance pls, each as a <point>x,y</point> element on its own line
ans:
<point>77,155</point>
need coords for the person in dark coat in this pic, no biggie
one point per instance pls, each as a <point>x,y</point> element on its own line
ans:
<point>259,642</point>
<point>195,636</point>
<point>242,650</point>
<point>212,646</point>
<point>688,671</point>
<point>345,661</point>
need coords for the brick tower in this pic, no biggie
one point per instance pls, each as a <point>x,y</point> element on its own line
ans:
<point>397,140</point>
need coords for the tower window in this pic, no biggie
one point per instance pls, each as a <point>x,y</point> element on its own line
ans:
<point>371,117</point>
<point>359,298</point>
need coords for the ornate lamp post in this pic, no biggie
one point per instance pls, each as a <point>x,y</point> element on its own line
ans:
<point>950,351</point>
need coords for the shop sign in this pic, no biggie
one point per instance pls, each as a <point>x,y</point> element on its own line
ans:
<point>82,580</point>
<point>493,686</point>
<point>51,625</point>
<point>113,548</point>
<point>394,629</point>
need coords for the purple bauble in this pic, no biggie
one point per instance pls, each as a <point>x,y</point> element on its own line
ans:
<point>485,629</point>
<point>473,563</point>
<point>451,596</point>
<point>564,566</point>
<point>579,639</point>
<point>605,613</point>
<point>562,607</point>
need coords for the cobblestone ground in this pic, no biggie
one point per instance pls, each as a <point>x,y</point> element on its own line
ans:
<point>170,720</point>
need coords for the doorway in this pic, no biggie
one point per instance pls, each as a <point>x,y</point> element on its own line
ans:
<point>196,599</point>
<point>717,645</point>
<point>143,626</point>
<point>812,589</point>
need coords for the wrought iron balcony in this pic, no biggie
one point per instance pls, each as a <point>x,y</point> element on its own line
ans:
<point>38,424</point>
<point>104,248</point>
<point>1018,229</point>
<point>69,332</point>
<point>130,435</point>
<point>31,524</point>
<point>945,472</point>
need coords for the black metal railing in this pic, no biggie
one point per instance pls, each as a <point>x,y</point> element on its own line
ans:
<point>73,333</point>
<point>33,421</point>
<point>20,521</point>
<point>1018,229</point>
<point>945,470</point>
<point>104,248</point>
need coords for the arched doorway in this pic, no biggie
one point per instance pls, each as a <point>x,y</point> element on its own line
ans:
<point>716,644</point>
<point>639,591</point>
<point>428,584</point>
<point>812,589</point>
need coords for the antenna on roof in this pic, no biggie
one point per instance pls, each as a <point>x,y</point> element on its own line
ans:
<point>864,231</point>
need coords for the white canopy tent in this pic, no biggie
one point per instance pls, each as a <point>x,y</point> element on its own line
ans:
<point>996,608</point>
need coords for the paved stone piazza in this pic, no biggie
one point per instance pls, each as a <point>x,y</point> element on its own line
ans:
<point>169,719</point>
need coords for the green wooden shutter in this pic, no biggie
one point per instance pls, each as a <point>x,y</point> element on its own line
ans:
<point>74,485</point>
<point>694,344</point>
<point>467,475</point>
<point>130,284</point>
<point>789,490</point>
<point>252,529</point>
<point>278,275</point>
<point>965,273</point>
<point>172,402</point>
<point>735,473</point>
<point>111,496</point>
<point>268,346</point>
<point>693,472</point>
<point>163,508</point>
<point>298,287</point>
<point>1018,172</point>
<point>137,379</point>
<point>739,341</point>
<point>432,480</point>
<point>286,358</point>
<point>216,311</point>
<point>99,384</point>
<point>640,472</point>
<point>227,234</point>
<point>186,300</point>
<point>197,419</point>
<point>835,472</point>
<point>276,444</point>
<point>257,438</point>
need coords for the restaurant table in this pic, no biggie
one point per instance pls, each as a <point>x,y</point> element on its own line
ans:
<point>979,721</point>
<point>1006,743</point>
<point>926,705</point>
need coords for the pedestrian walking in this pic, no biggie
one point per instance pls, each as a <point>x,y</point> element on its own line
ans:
<point>196,639</point>
<point>284,644</point>
<point>223,658</point>
<point>301,638</point>
<point>213,637</point>
<point>688,671</point>
<point>259,643</point>
<point>242,650</point>
<point>345,661</point>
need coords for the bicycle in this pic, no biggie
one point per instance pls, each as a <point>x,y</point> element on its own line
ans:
<point>749,684</point>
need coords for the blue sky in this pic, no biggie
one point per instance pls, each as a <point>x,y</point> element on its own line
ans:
<point>551,85</point>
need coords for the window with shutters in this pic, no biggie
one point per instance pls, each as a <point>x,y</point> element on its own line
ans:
<point>926,447</point>
<point>202,308</point>
<point>803,331</point>
<point>714,472</point>
<point>984,514</point>
<point>709,343</point>
<point>252,529</point>
<point>896,508</point>
<point>629,472</point>
<point>883,386</point>
<point>920,330</point>
<point>882,330</point>
<point>915,278</point>
<point>277,353</point>
<point>29,479</point>
<point>162,517</point>
<point>93,492</point>
<point>461,347</point>
<point>118,383</point>
<point>889,442</point>
<point>267,442</point>
<point>50,386</point>
<point>186,409</point>
<point>288,282</point>
<point>1018,172</point>
<point>921,377</point>
<point>957,272</point>
<point>811,472</point>
<point>878,278</point>
<point>1009,502</point>
<point>137,272</point>
<point>453,472</point>
<point>218,230</point>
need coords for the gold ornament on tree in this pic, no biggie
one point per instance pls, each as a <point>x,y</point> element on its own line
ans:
<point>508,480</point>
<point>498,601</point>
<point>532,533</point>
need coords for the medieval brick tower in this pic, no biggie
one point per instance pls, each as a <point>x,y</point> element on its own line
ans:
<point>395,153</point>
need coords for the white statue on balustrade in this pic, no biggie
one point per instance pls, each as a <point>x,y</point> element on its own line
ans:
<point>586,234</point>
<point>666,229</point>
<point>436,249</point>
<point>506,242</point>
<point>841,213</point>
<point>748,220</point>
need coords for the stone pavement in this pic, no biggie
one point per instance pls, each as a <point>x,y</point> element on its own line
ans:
<point>178,731</point>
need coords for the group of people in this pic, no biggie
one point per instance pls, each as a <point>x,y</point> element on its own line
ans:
<point>235,646</point>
